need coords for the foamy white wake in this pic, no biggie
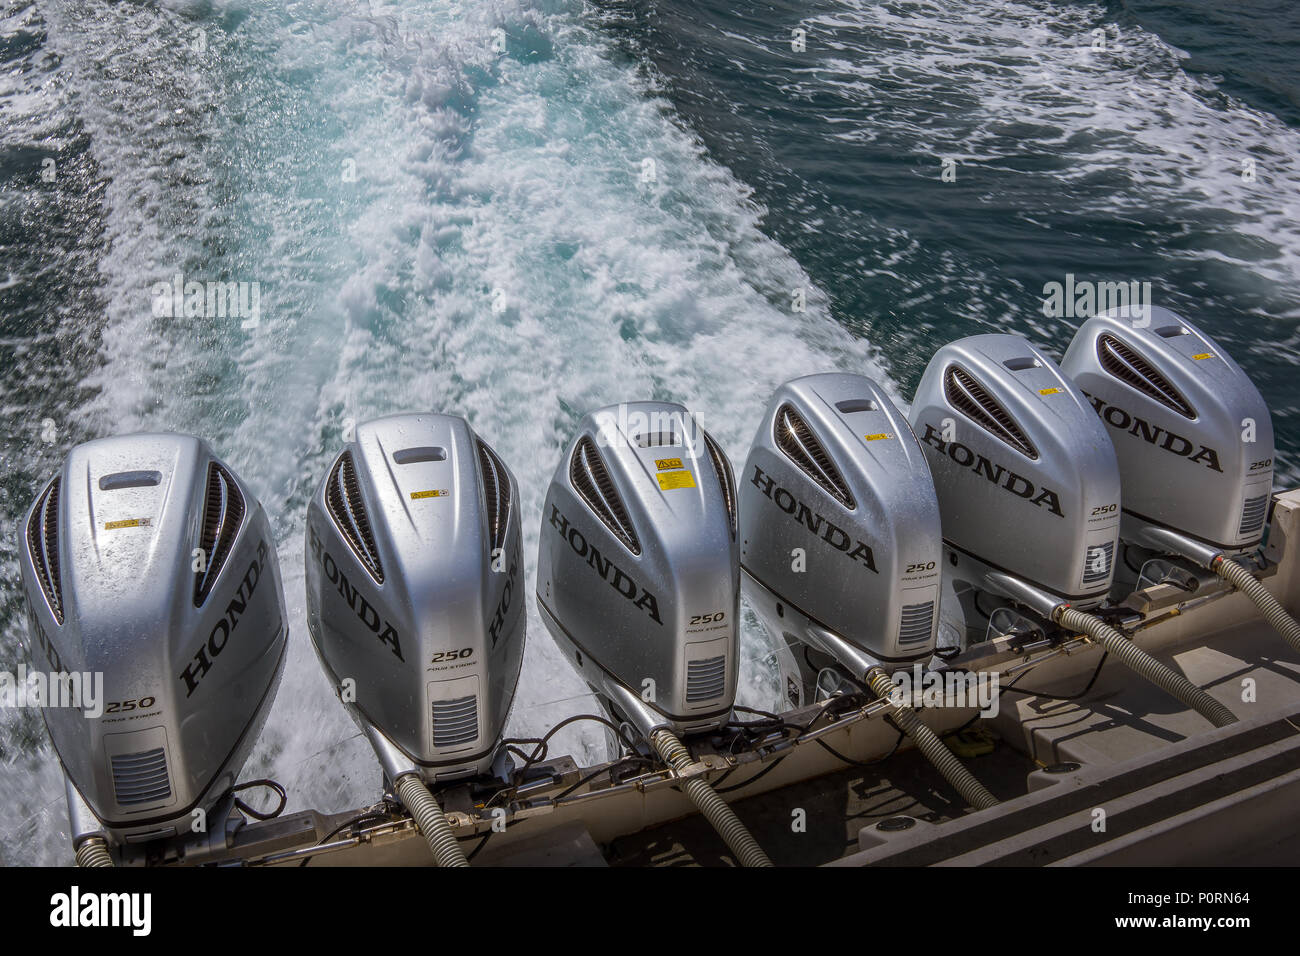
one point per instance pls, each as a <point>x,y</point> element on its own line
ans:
<point>543,179</point>
<point>1128,118</point>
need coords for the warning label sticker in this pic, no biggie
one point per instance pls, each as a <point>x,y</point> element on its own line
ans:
<point>126,523</point>
<point>668,480</point>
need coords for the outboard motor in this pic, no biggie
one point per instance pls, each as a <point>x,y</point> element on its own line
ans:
<point>1029,490</point>
<point>638,575</point>
<point>1193,437</point>
<point>840,543</point>
<point>638,580</point>
<point>835,472</point>
<point>1177,409</point>
<point>147,562</point>
<point>414,577</point>
<point>1028,486</point>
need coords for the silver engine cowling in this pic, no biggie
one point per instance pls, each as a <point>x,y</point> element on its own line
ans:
<point>1193,437</point>
<point>638,575</point>
<point>839,525</point>
<point>1028,485</point>
<point>414,573</point>
<point>148,561</point>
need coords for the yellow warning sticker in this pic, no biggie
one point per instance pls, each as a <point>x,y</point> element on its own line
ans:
<point>664,464</point>
<point>431,493</point>
<point>878,436</point>
<point>1048,391</point>
<point>1203,355</point>
<point>126,523</point>
<point>669,480</point>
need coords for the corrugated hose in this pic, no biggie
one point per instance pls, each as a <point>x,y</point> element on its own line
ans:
<point>93,851</point>
<point>1129,654</point>
<point>1240,578</point>
<point>415,796</point>
<point>934,749</point>
<point>714,808</point>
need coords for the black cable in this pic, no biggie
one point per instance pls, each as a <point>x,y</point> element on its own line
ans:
<point>359,818</point>
<point>370,814</point>
<point>541,749</point>
<point>767,721</point>
<point>482,841</point>
<point>729,772</point>
<point>539,753</point>
<point>833,706</point>
<point>1012,686</point>
<point>862,763</point>
<point>258,814</point>
<point>634,758</point>
<point>1034,693</point>
<point>758,776</point>
<point>767,716</point>
<point>481,844</point>
<point>836,706</point>
<point>756,730</point>
<point>776,721</point>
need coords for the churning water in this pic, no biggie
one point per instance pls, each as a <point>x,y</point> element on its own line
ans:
<point>521,210</point>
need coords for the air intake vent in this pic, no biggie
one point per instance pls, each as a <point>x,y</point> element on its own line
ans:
<point>343,497</point>
<point>915,623</point>
<point>43,547</point>
<point>969,397</point>
<point>141,777</point>
<point>455,721</point>
<point>793,436</point>
<point>223,513</point>
<point>1252,515</point>
<point>496,495</point>
<point>658,440</point>
<point>1133,370</point>
<point>590,479</point>
<point>725,478</point>
<point>706,679</point>
<point>1096,563</point>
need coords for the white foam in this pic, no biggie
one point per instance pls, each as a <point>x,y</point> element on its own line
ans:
<point>1172,139</point>
<point>476,172</point>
